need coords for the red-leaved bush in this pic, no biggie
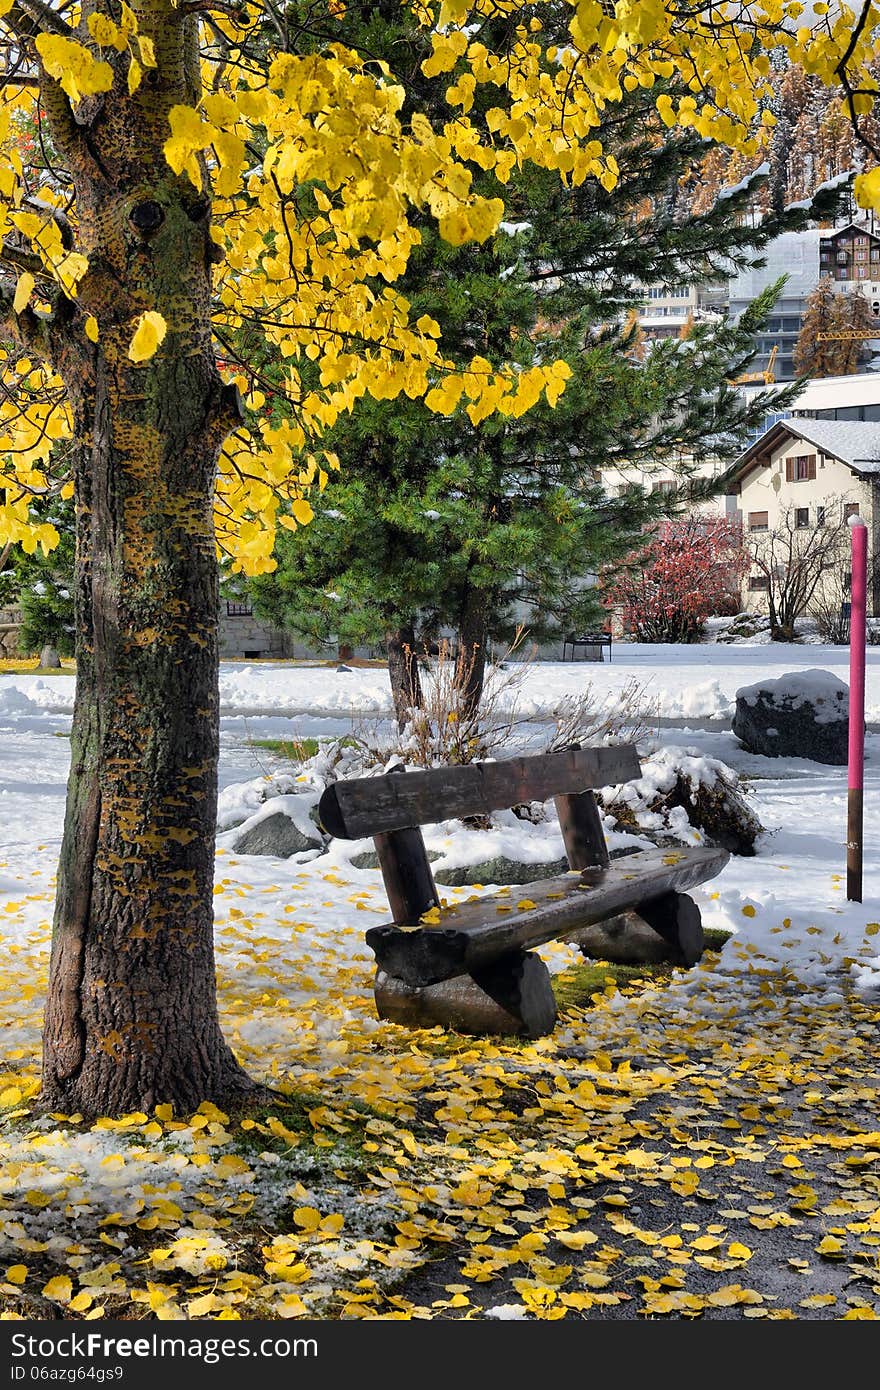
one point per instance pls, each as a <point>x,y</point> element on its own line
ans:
<point>688,571</point>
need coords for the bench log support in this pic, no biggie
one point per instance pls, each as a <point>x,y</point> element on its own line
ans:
<point>513,997</point>
<point>406,872</point>
<point>582,832</point>
<point>665,929</point>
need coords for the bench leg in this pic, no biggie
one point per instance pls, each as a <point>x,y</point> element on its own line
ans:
<point>513,997</point>
<point>665,929</point>
<point>677,919</point>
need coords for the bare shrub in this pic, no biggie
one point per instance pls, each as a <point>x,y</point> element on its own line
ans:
<point>444,732</point>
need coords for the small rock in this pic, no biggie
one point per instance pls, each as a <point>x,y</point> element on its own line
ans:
<point>276,835</point>
<point>49,658</point>
<point>343,667</point>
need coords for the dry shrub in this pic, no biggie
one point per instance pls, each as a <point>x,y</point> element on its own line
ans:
<point>446,732</point>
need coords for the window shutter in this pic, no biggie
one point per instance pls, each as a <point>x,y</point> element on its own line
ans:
<point>811,467</point>
<point>789,470</point>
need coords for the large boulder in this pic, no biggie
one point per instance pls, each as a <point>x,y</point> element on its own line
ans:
<point>802,714</point>
<point>278,834</point>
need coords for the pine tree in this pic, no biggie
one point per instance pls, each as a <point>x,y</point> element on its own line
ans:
<point>474,524</point>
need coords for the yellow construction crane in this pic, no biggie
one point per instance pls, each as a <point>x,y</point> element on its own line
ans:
<point>768,376</point>
<point>848,337</point>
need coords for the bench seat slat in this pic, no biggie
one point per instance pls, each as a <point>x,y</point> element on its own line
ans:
<point>364,806</point>
<point>473,934</point>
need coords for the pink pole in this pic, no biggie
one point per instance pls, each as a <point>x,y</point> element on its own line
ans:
<point>857,625</point>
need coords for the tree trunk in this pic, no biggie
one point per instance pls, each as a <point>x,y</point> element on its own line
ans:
<point>131,1017</point>
<point>403,672</point>
<point>470,669</point>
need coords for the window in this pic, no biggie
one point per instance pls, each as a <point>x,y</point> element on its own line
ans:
<point>841,274</point>
<point>800,469</point>
<point>664,485</point>
<point>757,521</point>
<point>850,509</point>
<point>801,518</point>
<point>820,516</point>
<point>239,609</point>
<point>842,258</point>
<point>875,253</point>
<point>863,272</point>
<point>758,583</point>
<point>861,255</point>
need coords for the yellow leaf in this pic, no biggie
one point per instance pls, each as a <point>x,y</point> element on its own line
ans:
<point>198,1306</point>
<point>134,76</point>
<point>150,331</point>
<point>302,511</point>
<point>59,1289</point>
<point>92,328</point>
<point>307,1218</point>
<point>23,291</point>
<point>81,1303</point>
<point>739,1252</point>
<point>829,1246</point>
<point>16,1274</point>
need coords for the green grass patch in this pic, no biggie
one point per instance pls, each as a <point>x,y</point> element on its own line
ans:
<point>296,750</point>
<point>582,985</point>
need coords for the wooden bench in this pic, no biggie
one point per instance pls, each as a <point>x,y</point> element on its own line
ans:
<point>471,966</point>
<point>596,640</point>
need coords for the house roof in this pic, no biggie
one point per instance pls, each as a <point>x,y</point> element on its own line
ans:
<point>854,442</point>
<point>850,227</point>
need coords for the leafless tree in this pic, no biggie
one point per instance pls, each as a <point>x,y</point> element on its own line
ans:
<point>801,562</point>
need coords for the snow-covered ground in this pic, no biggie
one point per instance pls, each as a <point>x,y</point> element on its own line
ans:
<point>678,682</point>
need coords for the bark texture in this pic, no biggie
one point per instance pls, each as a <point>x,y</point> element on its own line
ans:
<point>470,670</point>
<point>403,672</point>
<point>131,1018</point>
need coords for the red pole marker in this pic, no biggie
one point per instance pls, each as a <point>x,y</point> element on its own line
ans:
<point>857,625</point>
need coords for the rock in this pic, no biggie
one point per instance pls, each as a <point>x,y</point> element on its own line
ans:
<point>343,667</point>
<point>276,835</point>
<point>49,658</point>
<point>803,714</point>
<point>369,859</point>
<point>500,870</point>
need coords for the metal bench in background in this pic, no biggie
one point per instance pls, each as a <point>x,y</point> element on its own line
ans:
<point>594,642</point>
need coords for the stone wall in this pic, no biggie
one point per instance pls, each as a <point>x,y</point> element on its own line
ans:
<point>10,619</point>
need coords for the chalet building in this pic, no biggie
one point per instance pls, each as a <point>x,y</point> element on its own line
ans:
<point>815,473</point>
<point>851,257</point>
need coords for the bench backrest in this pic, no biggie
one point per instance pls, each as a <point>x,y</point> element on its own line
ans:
<point>364,806</point>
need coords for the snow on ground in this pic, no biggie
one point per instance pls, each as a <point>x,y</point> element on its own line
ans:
<point>678,682</point>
